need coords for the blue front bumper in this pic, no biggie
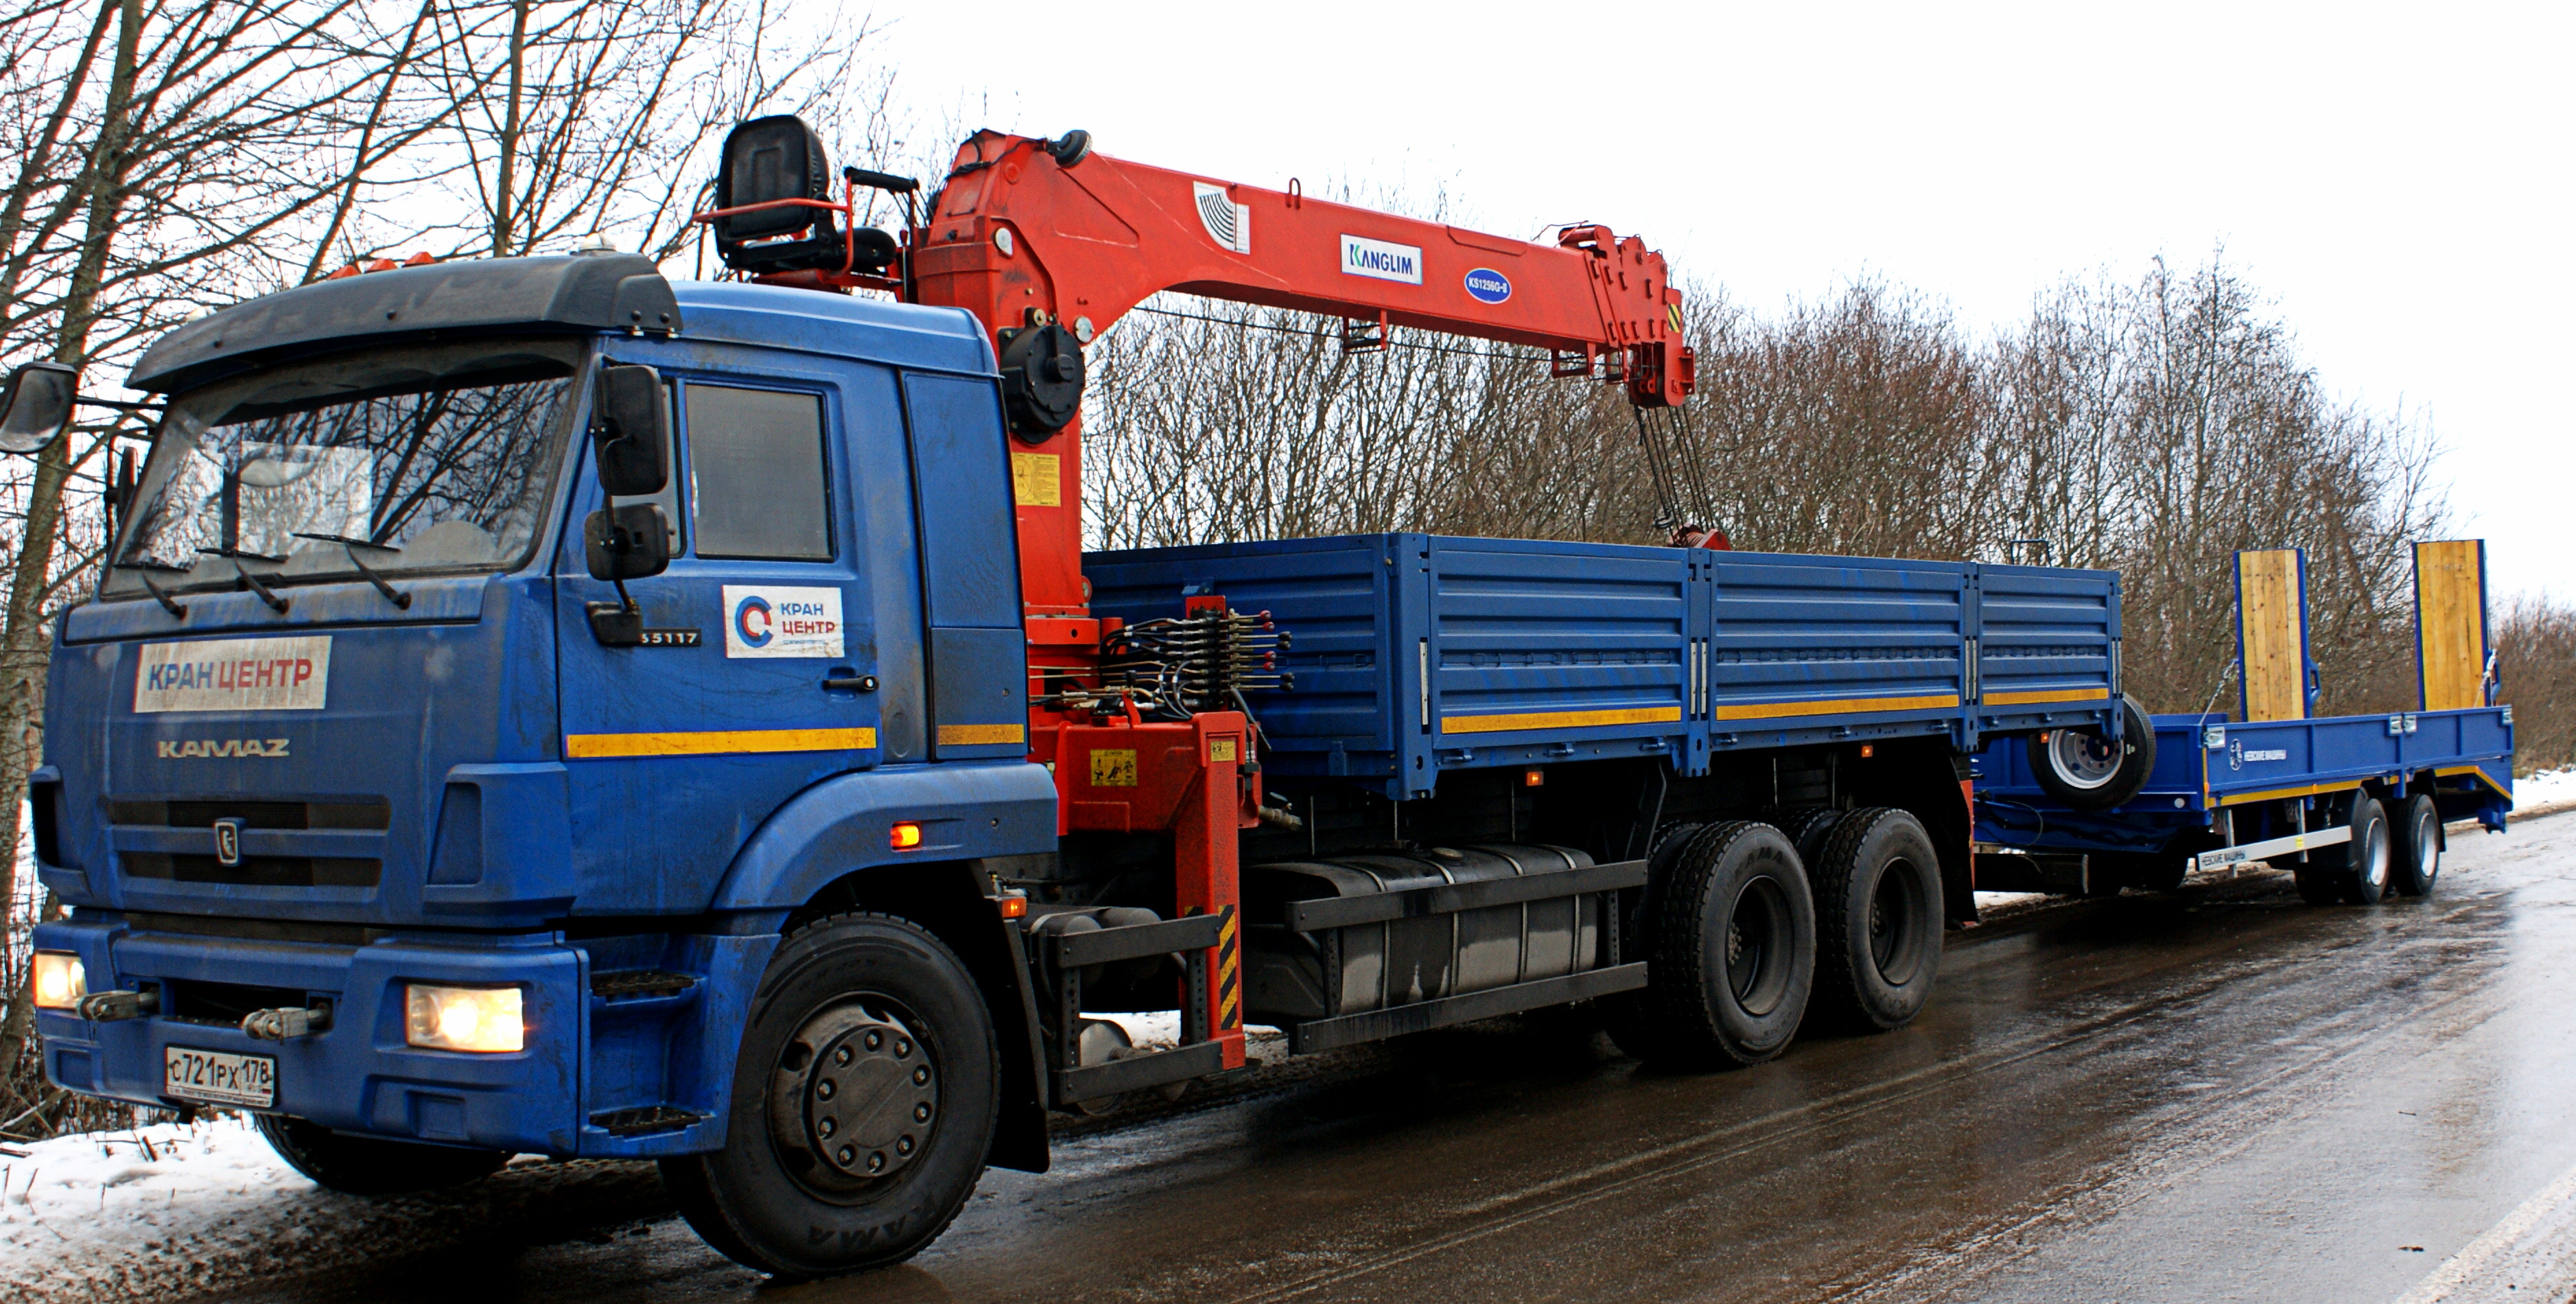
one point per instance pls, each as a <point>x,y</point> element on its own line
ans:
<point>360,1076</point>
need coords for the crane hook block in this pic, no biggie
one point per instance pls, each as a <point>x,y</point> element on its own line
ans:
<point>1042,379</point>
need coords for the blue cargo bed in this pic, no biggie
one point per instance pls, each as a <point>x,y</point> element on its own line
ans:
<point>1414,654</point>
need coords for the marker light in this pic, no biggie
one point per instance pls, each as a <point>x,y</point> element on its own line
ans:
<point>463,1018</point>
<point>904,836</point>
<point>1533,778</point>
<point>1013,905</point>
<point>60,982</point>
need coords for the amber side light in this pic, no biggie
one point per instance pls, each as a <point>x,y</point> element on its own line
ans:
<point>904,836</point>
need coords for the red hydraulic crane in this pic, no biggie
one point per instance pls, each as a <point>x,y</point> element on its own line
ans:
<point>1048,244</point>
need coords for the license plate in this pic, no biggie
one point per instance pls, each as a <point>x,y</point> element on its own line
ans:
<point>219,1077</point>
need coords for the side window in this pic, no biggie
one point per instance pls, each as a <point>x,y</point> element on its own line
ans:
<point>756,473</point>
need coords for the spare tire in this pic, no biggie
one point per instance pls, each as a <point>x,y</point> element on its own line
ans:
<point>2090,772</point>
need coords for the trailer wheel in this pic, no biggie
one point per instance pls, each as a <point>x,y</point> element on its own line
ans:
<point>2363,880</point>
<point>1877,883</point>
<point>1730,944</point>
<point>2090,772</point>
<point>360,1165</point>
<point>864,1101</point>
<point>2416,858</point>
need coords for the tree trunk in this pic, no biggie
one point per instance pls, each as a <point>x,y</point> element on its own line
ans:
<point>22,641</point>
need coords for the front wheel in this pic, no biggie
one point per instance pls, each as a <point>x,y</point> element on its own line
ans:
<point>864,1101</point>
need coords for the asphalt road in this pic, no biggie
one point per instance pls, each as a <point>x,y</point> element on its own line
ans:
<point>2221,1094</point>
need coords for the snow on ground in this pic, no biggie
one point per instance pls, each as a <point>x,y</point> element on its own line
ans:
<point>172,1211</point>
<point>2547,788</point>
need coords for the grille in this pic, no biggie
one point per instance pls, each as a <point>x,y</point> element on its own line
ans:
<point>202,812</point>
<point>254,871</point>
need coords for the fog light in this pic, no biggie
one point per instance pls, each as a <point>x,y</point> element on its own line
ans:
<point>60,982</point>
<point>463,1018</point>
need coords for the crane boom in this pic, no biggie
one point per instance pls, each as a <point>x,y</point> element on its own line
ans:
<point>1028,232</point>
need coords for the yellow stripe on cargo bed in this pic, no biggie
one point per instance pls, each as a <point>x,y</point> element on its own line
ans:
<point>737,741</point>
<point>1837,706</point>
<point>2035,696</point>
<point>1463,724</point>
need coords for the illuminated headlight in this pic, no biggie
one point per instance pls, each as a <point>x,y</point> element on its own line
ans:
<point>60,983</point>
<point>463,1018</point>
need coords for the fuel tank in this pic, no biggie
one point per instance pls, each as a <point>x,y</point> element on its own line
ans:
<point>1293,974</point>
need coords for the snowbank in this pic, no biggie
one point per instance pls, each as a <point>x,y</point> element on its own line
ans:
<point>2547,788</point>
<point>169,1211</point>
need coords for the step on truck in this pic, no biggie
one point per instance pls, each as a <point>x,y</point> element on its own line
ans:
<point>2354,806</point>
<point>531,705</point>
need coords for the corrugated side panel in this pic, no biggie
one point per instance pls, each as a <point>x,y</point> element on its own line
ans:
<point>1801,642</point>
<point>2047,643</point>
<point>1536,644</point>
<point>1330,594</point>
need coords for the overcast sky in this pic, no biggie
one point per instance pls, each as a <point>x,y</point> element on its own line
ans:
<point>2397,178</point>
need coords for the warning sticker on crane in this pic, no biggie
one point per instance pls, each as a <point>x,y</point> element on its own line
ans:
<point>1227,222</point>
<point>1362,256</point>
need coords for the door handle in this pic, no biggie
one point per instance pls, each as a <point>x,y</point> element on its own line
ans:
<point>851,683</point>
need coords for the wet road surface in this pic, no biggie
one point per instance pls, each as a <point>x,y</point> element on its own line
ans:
<point>2221,1094</point>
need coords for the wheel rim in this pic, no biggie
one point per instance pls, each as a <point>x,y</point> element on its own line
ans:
<point>854,1099</point>
<point>2428,848</point>
<point>2374,857</point>
<point>1895,933</point>
<point>2082,759</point>
<point>1757,946</point>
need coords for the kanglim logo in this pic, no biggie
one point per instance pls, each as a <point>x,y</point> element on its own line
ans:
<point>170,749</point>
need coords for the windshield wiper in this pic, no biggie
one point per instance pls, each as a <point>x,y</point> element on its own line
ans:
<point>169,604</point>
<point>400,599</point>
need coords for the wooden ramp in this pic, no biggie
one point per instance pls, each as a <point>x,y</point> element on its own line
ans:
<point>2272,632</point>
<point>2451,623</point>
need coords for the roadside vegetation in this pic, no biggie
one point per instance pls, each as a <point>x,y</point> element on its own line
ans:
<point>170,156</point>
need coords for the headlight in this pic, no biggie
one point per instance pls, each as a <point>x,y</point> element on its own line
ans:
<point>463,1018</point>
<point>60,982</point>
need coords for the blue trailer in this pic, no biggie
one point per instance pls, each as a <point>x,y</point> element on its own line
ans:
<point>2354,805</point>
<point>534,706</point>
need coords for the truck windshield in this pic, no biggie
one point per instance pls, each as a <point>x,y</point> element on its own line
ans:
<point>435,458</point>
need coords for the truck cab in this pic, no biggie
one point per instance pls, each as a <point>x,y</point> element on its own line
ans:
<point>351,739</point>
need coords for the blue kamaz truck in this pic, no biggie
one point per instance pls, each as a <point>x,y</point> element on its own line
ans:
<point>534,706</point>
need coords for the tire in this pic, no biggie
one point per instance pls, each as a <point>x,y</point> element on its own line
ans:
<point>2415,844</point>
<point>1730,946</point>
<point>1805,827</point>
<point>2363,878</point>
<point>806,1188</point>
<point>1877,882</point>
<point>2087,771</point>
<point>359,1165</point>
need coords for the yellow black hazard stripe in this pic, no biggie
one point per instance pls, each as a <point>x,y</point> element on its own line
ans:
<point>1229,1001</point>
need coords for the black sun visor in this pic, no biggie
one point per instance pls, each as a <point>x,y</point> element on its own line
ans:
<point>568,295</point>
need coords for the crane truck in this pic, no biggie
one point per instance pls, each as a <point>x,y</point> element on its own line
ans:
<point>534,705</point>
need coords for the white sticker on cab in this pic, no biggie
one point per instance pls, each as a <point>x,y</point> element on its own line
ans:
<point>236,674</point>
<point>767,620</point>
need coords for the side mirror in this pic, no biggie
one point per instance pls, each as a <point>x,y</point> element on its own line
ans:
<point>627,543</point>
<point>35,407</point>
<point>630,423</point>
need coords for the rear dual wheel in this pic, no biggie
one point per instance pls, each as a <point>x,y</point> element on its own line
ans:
<point>1728,929</point>
<point>1877,883</point>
